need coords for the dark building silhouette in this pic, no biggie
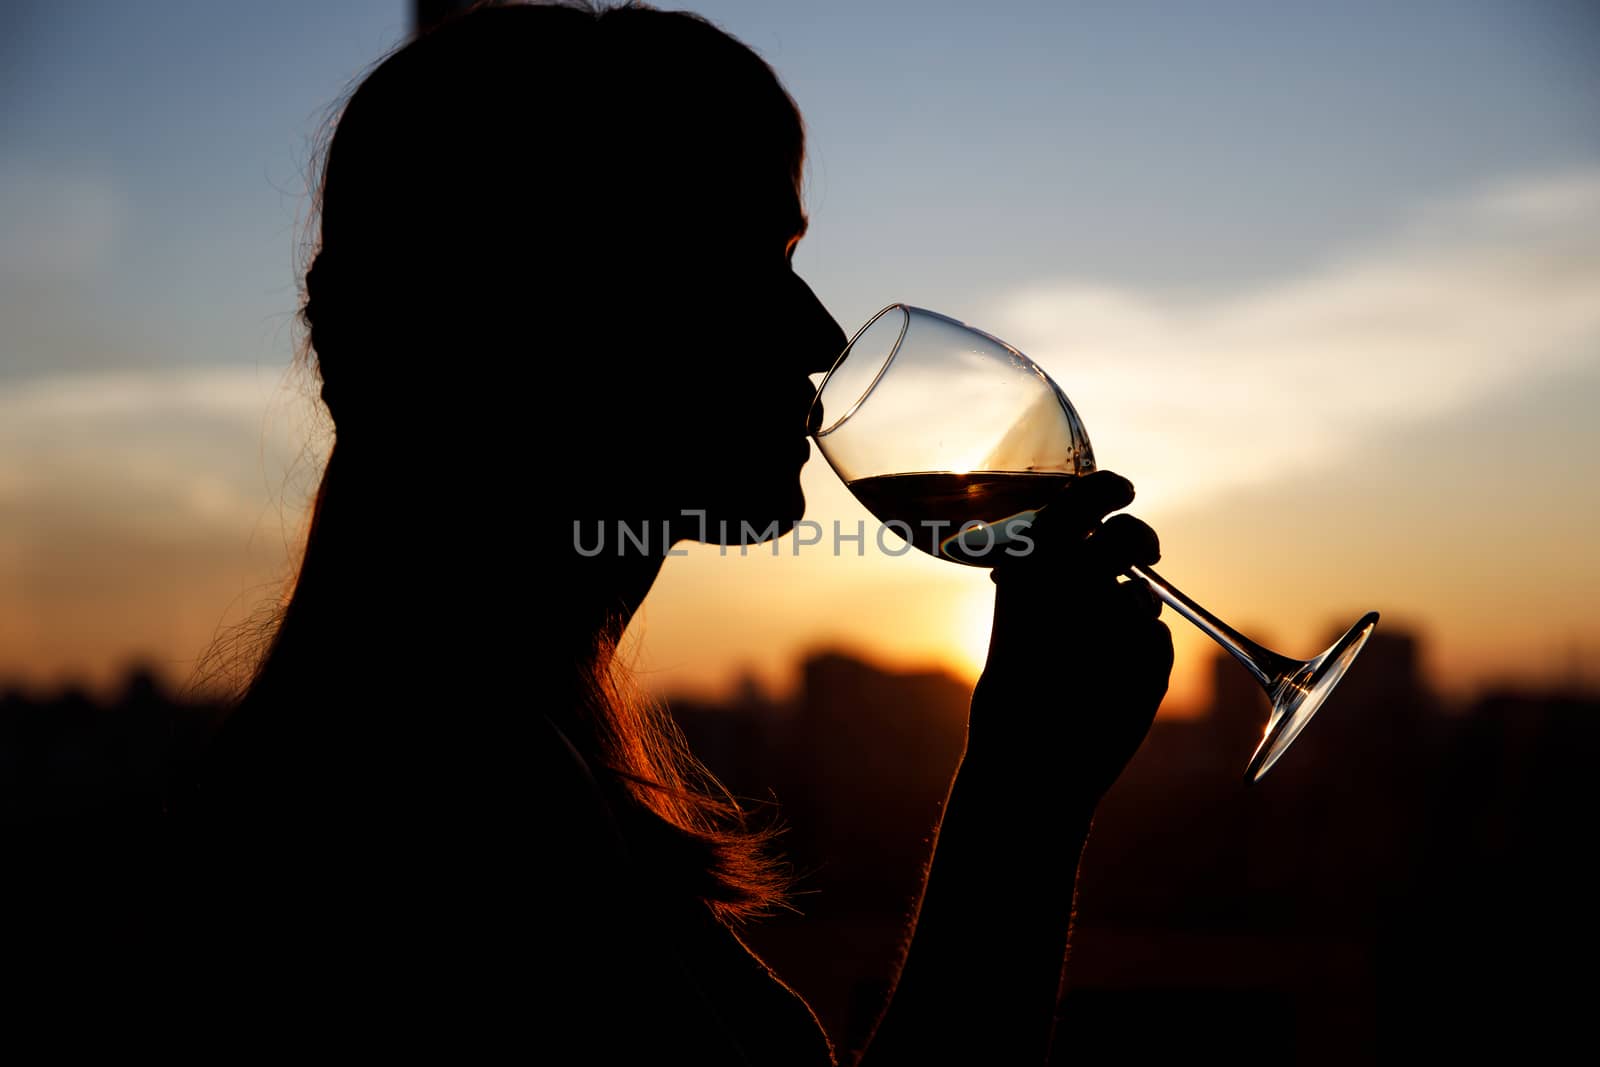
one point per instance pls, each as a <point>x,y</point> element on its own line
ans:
<point>1408,881</point>
<point>1304,916</point>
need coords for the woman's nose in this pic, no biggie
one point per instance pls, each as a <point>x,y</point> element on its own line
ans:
<point>819,337</point>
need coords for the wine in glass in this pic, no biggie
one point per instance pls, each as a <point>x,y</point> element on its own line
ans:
<point>954,439</point>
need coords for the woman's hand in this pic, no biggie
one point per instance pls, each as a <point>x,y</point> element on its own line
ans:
<point>1078,663</point>
<point>1078,660</point>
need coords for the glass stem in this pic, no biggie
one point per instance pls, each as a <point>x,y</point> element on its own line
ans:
<point>1268,667</point>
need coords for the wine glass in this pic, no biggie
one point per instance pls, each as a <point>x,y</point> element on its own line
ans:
<point>954,439</point>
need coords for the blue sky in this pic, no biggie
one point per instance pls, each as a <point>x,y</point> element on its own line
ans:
<point>958,149</point>
<point>1260,244</point>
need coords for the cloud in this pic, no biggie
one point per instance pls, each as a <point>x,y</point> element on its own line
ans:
<point>157,451</point>
<point>238,393</point>
<point>1187,397</point>
<point>142,514</point>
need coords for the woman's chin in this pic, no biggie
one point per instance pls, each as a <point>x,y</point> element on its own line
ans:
<point>756,521</point>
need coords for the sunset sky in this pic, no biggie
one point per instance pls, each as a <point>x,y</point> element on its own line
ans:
<point>1323,281</point>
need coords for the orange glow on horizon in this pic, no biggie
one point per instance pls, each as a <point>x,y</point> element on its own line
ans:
<point>1441,477</point>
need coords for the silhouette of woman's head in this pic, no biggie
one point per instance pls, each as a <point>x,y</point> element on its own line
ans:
<point>552,282</point>
<point>553,260</point>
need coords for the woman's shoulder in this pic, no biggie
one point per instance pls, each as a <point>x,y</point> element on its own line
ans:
<point>669,956</point>
<point>773,1022</point>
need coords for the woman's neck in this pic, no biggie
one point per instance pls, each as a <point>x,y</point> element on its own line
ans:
<point>610,564</point>
<point>597,596</point>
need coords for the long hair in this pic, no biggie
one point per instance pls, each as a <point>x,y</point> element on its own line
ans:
<point>477,185</point>
<point>693,832</point>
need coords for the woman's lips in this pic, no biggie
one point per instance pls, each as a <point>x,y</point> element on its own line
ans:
<point>813,418</point>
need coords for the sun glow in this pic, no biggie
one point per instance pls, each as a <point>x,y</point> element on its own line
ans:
<point>973,617</point>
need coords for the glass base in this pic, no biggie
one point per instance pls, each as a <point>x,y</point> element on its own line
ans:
<point>1298,696</point>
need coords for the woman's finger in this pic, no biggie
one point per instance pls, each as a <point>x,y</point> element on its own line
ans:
<point>1141,599</point>
<point>1123,541</point>
<point>1081,504</point>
